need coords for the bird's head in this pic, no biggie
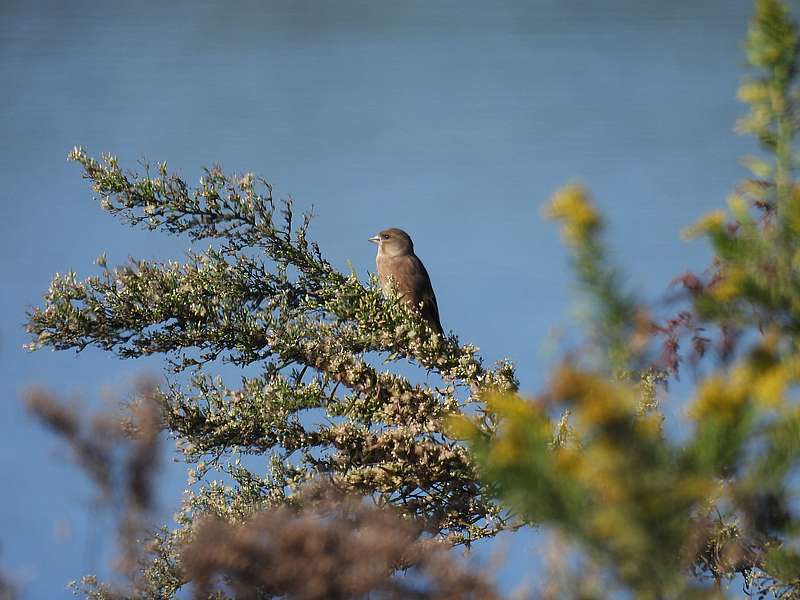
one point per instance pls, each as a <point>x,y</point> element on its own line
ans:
<point>393,242</point>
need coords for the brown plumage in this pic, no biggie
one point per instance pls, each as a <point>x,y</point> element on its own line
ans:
<point>398,265</point>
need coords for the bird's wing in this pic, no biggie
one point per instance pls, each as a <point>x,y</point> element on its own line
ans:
<point>414,284</point>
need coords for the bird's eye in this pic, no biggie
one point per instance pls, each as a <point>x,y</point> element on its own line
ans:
<point>385,236</point>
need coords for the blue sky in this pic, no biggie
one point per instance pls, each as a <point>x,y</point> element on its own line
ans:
<point>453,120</point>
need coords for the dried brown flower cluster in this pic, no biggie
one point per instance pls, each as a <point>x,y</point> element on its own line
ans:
<point>122,482</point>
<point>7,590</point>
<point>342,548</point>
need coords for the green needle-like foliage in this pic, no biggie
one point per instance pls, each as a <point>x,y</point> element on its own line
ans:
<point>326,402</point>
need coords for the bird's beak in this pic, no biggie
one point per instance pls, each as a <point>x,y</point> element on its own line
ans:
<point>375,239</point>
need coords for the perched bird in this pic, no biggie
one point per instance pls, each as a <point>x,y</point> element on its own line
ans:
<point>400,267</point>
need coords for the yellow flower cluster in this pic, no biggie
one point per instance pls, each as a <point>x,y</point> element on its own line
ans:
<point>596,400</point>
<point>752,91</point>
<point>580,220</point>
<point>718,398</point>
<point>714,220</point>
<point>762,378</point>
<point>731,285</point>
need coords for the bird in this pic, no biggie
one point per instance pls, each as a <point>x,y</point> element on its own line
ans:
<point>399,269</point>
